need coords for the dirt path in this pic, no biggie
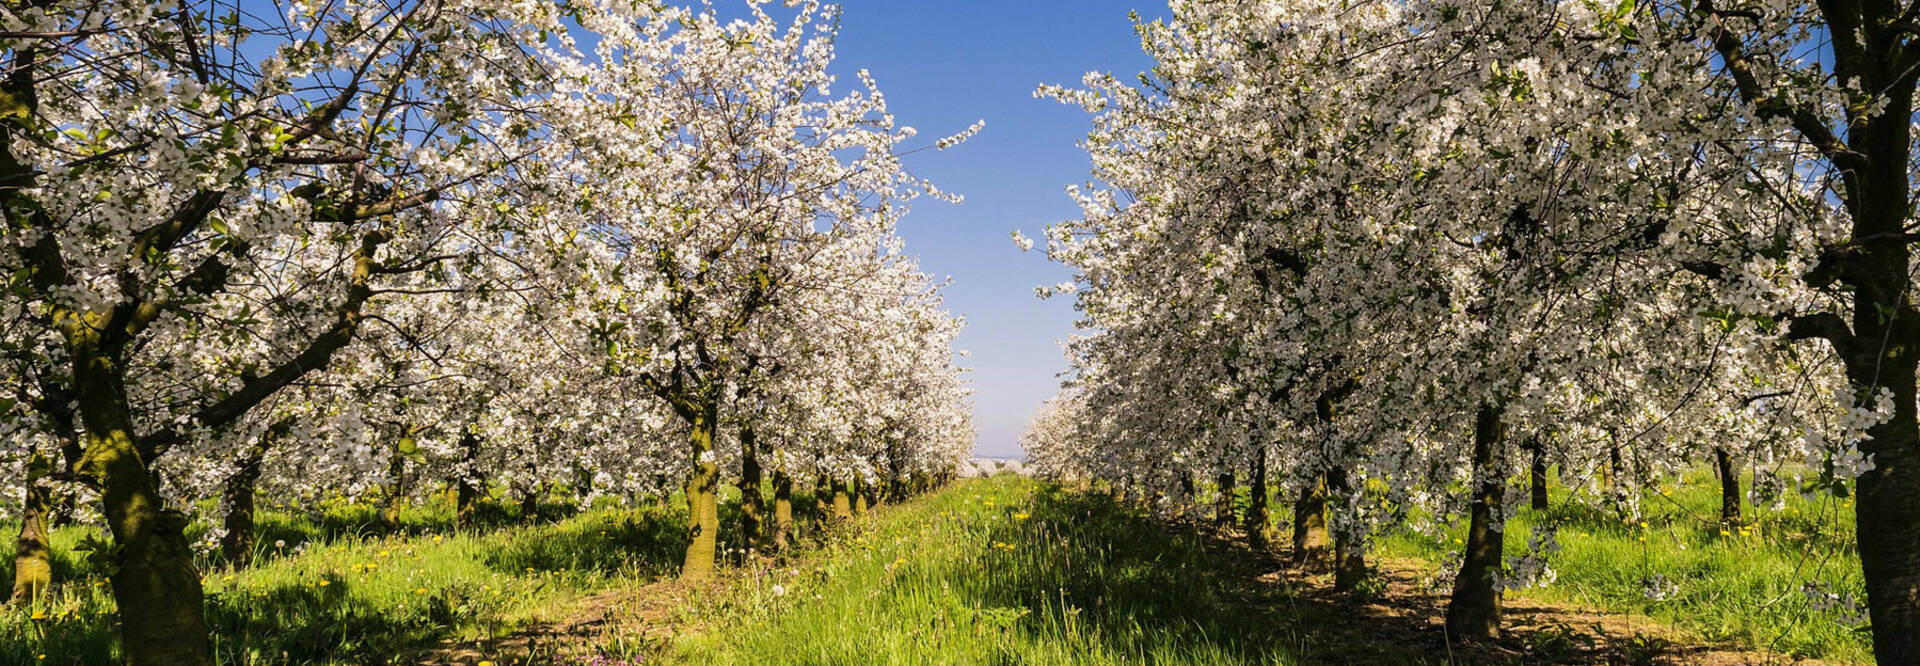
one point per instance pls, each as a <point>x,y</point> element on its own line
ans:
<point>642,618</point>
<point>1406,618</point>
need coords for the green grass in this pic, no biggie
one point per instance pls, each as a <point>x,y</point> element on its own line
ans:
<point>1008,570</point>
<point>1739,588</point>
<point>341,591</point>
<point>992,571</point>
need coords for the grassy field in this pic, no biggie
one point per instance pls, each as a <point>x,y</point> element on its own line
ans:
<point>1677,565</point>
<point>331,587</point>
<point>995,571</point>
<point>1005,571</point>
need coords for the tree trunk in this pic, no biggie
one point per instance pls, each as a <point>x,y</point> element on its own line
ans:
<point>1538,474</point>
<point>32,557</point>
<point>703,497</point>
<point>842,504</point>
<point>467,486</point>
<point>1349,551</point>
<point>782,509</point>
<point>1886,517</point>
<point>530,504</point>
<point>860,505</point>
<point>1729,486</point>
<point>1223,499</point>
<point>156,587</point>
<point>396,492</point>
<point>1474,610</point>
<point>236,546</point>
<point>1310,524</point>
<point>1258,522</point>
<point>753,504</point>
<point>1188,497</point>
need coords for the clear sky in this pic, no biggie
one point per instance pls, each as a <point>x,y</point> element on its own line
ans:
<point>943,64</point>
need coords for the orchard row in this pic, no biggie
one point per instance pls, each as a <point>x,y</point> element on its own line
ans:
<point>1401,258</point>
<point>373,250</point>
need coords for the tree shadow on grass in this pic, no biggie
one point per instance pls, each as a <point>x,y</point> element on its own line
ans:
<point>1150,588</point>
<point>651,542</point>
<point>329,624</point>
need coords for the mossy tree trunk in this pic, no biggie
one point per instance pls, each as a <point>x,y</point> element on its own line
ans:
<point>782,509</point>
<point>237,545</point>
<point>842,504</point>
<point>40,510</point>
<point>156,587</point>
<point>1473,612</point>
<point>703,495</point>
<point>32,556</point>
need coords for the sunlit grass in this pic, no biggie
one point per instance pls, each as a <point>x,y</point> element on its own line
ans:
<point>356,596</point>
<point>1737,585</point>
<point>1009,570</point>
<point>988,571</point>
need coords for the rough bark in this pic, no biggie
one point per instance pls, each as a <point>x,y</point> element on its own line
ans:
<point>236,546</point>
<point>1873,44</point>
<point>32,557</point>
<point>1729,486</point>
<point>753,504</point>
<point>842,504</point>
<point>468,487</point>
<point>703,497</point>
<point>1349,552</point>
<point>1259,523</point>
<point>156,586</point>
<point>396,490</point>
<point>1187,495</point>
<point>530,504</point>
<point>1537,475</point>
<point>1310,525</point>
<point>782,509</point>
<point>1223,499</point>
<point>1473,612</point>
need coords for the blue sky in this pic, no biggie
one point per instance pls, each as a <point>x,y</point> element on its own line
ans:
<point>943,64</point>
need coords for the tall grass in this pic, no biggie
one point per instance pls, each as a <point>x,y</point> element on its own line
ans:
<point>1678,565</point>
<point>1006,570</point>
<point>331,588</point>
<point>991,571</point>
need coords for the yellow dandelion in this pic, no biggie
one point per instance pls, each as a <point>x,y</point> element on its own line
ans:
<point>420,591</point>
<point>325,583</point>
